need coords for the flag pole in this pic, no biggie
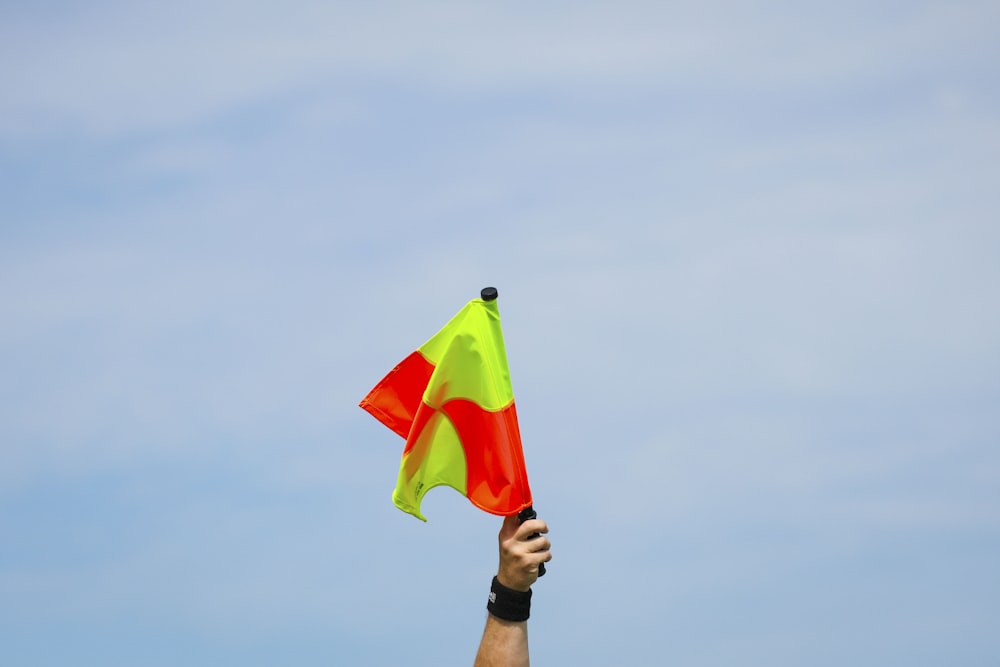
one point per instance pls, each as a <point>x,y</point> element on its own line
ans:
<point>528,513</point>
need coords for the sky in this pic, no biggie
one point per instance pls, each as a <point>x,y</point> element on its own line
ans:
<point>747,253</point>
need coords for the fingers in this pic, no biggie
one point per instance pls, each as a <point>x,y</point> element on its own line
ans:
<point>523,547</point>
<point>519,565</point>
<point>528,545</point>
<point>531,527</point>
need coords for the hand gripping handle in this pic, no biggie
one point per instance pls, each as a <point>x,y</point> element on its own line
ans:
<point>525,515</point>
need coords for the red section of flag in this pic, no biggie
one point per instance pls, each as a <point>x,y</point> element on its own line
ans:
<point>496,479</point>
<point>395,399</point>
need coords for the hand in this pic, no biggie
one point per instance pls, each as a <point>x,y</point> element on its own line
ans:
<point>519,555</point>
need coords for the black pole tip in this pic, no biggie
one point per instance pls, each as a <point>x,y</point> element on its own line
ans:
<point>489,293</point>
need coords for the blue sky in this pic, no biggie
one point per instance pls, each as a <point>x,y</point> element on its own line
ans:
<point>747,256</point>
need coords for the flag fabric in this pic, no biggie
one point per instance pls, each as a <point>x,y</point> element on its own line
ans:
<point>453,402</point>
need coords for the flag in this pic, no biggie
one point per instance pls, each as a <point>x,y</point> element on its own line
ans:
<point>453,402</point>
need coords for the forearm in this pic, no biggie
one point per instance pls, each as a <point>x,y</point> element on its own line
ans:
<point>505,644</point>
<point>522,549</point>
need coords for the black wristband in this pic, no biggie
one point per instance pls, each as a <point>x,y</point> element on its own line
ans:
<point>508,604</point>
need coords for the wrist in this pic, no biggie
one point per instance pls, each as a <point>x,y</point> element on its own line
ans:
<point>513,583</point>
<point>507,603</point>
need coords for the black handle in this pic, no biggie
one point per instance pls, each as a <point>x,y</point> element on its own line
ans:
<point>525,515</point>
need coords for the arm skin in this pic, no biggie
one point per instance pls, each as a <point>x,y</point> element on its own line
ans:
<point>505,643</point>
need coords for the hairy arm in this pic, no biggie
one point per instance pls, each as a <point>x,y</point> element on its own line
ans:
<point>504,644</point>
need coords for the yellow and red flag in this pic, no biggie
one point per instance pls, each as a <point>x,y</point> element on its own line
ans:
<point>452,400</point>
